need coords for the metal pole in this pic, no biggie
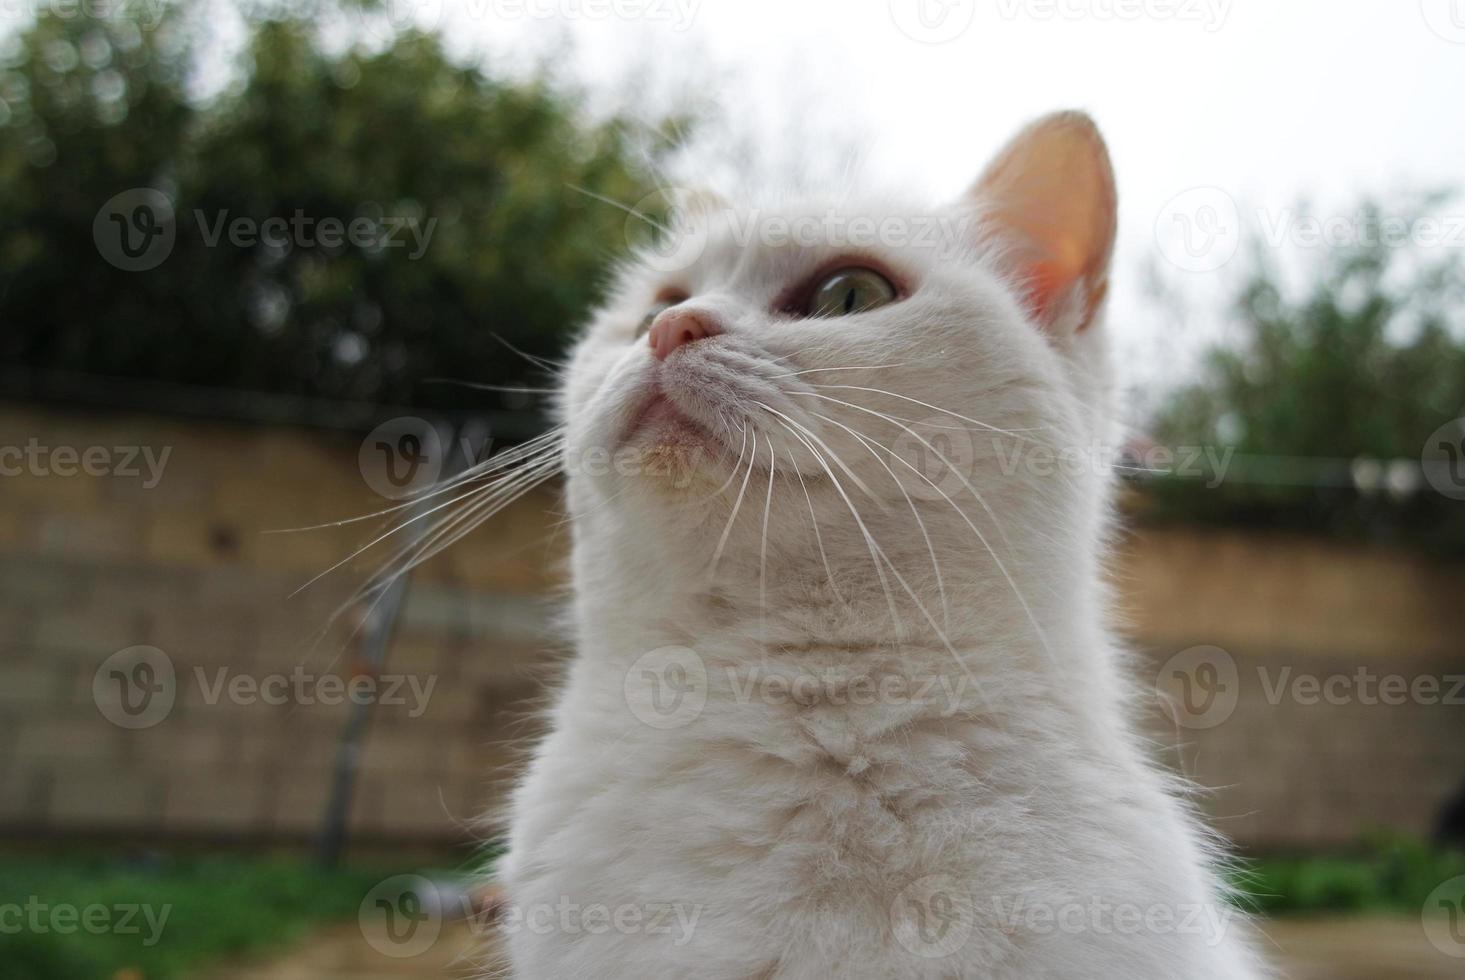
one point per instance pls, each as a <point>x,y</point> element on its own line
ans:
<point>371,657</point>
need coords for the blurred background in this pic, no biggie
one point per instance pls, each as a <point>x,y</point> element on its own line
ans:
<point>268,266</point>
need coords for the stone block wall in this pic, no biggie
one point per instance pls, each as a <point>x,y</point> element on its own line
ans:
<point>91,565</point>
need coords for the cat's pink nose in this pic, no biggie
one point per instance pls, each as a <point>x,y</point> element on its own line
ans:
<point>676,326</point>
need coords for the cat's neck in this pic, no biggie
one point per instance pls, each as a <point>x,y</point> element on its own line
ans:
<point>965,645</point>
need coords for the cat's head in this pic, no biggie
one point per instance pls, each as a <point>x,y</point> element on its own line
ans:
<point>909,383</point>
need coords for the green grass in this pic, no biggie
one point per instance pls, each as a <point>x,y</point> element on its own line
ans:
<point>1388,875</point>
<point>217,908</point>
<point>226,907</point>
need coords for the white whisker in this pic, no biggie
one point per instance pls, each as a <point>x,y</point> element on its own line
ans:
<point>763,549</point>
<point>814,520</point>
<point>934,408</point>
<point>481,386</point>
<point>736,466</point>
<point>415,552</point>
<point>491,488</point>
<point>737,506</point>
<point>617,204</point>
<point>823,370</point>
<point>949,465</point>
<point>869,541</point>
<point>1011,582</point>
<point>878,554</point>
<point>915,512</point>
<point>544,444</point>
<point>820,442</point>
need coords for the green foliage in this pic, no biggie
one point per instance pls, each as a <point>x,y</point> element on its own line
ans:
<point>1361,364</point>
<point>491,175</point>
<point>216,908</point>
<point>1391,874</point>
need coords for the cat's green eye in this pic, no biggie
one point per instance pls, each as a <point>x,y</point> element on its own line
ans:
<point>851,290</point>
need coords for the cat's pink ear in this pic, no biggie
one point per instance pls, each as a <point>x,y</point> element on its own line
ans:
<point>1049,196</point>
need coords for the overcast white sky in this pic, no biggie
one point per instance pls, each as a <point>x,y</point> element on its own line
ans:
<point>1268,100</point>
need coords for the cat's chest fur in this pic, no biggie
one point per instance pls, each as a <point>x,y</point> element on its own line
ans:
<point>792,821</point>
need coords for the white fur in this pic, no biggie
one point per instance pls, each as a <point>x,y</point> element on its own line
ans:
<point>789,836</point>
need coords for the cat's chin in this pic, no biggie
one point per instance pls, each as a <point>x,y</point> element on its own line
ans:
<point>661,428</point>
<point>667,448</point>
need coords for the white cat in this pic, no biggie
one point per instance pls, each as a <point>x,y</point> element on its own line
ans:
<point>845,701</point>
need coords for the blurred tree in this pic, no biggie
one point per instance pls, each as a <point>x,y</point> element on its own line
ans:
<point>1328,394</point>
<point>480,182</point>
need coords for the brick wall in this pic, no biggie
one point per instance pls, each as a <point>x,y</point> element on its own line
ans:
<point>90,566</point>
<point>94,565</point>
<point>1345,674</point>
